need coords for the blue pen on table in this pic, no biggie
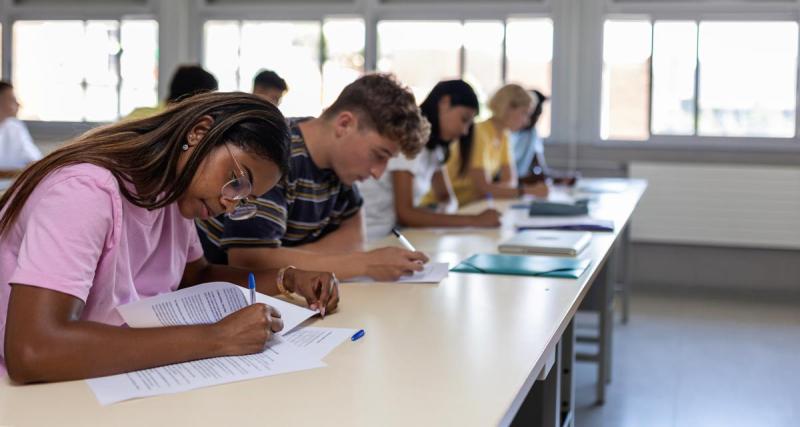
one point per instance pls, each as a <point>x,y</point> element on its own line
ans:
<point>251,284</point>
<point>357,335</point>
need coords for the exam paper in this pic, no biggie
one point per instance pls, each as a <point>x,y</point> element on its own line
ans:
<point>279,357</point>
<point>208,303</point>
<point>432,272</point>
<point>205,303</point>
<point>318,342</point>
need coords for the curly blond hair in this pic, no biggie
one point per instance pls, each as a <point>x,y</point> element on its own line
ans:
<point>386,106</point>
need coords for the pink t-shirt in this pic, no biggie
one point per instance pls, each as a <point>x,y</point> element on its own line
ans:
<point>78,235</point>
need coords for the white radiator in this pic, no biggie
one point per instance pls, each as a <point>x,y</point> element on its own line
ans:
<point>718,205</point>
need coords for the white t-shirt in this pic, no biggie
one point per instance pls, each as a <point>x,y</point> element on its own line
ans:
<point>16,145</point>
<point>379,194</point>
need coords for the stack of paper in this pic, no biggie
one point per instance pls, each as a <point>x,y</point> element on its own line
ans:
<point>288,351</point>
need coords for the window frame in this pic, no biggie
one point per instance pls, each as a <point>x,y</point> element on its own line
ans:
<point>708,12</point>
<point>72,11</point>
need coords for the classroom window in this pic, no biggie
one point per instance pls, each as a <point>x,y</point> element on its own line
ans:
<point>748,79</point>
<point>405,46</point>
<point>709,78</point>
<point>235,51</point>
<point>471,50</point>
<point>529,59</point>
<point>84,70</point>
<point>626,80</point>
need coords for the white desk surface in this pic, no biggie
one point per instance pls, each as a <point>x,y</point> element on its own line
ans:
<point>461,352</point>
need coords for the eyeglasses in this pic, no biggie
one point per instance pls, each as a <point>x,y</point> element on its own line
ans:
<point>238,190</point>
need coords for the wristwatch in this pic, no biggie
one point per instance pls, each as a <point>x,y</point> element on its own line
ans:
<point>281,286</point>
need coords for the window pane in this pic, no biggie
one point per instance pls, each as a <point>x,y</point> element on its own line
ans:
<point>221,52</point>
<point>291,49</point>
<point>101,70</point>
<point>626,80</point>
<point>138,65</point>
<point>529,53</point>
<point>483,57</point>
<point>70,70</point>
<point>420,53</point>
<point>674,60</point>
<point>344,55</point>
<point>748,73</point>
<point>49,82</point>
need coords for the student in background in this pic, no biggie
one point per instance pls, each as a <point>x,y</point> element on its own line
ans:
<point>107,220</point>
<point>187,80</point>
<point>528,149</point>
<point>483,167</point>
<point>395,198</point>
<point>313,219</point>
<point>270,86</point>
<point>17,149</point>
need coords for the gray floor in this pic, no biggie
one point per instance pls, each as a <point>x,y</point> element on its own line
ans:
<point>688,360</point>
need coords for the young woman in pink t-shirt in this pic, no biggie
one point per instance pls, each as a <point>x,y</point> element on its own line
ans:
<point>107,220</point>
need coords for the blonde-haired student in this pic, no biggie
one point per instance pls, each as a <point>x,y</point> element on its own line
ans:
<point>484,166</point>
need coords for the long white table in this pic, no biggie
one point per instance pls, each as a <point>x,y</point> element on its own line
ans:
<point>466,351</point>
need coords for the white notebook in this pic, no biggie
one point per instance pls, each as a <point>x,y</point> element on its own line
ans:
<point>551,242</point>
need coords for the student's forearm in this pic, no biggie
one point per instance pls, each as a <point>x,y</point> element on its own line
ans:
<point>499,191</point>
<point>336,243</point>
<point>349,237</point>
<point>266,283</point>
<point>419,217</point>
<point>343,264</point>
<point>81,349</point>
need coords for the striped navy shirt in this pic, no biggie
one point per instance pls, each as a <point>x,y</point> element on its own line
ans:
<point>305,206</point>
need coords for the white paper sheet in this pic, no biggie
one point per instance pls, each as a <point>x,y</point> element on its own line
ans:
<point>432,272</point>
<point>205,303</point>
<point>208,303</point>
<point>279,357</point>
<point>318,342</point>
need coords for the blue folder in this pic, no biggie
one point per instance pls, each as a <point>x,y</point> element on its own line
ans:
<point>523,265</point>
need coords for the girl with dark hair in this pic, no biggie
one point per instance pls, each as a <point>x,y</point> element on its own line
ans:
<point>395,199</point>
<point>483,166</point>
<point>107,220</point>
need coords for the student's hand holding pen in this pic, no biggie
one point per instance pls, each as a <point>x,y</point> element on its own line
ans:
<point>320,289</point>
<point>392,263</point>
<point>246,331</point>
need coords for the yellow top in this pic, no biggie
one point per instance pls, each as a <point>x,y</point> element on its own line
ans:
<point>145,112</point>
<point>489,152</point>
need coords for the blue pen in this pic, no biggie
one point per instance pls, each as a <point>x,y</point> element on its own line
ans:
<point>357,335</point>
<point>251,284</point>
<point>490,200</point>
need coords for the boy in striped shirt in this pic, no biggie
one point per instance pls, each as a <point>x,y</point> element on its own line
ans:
<point>313,220</point>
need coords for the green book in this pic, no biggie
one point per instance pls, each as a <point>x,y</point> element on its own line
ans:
<point>523,265</point>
